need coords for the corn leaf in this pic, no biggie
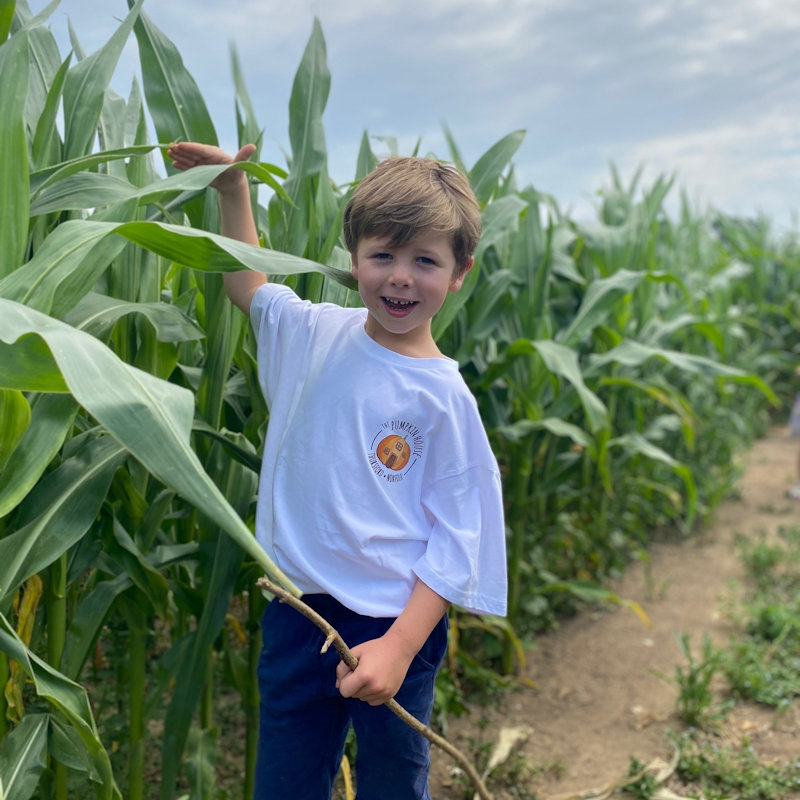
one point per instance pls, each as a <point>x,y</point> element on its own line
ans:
<point>176,106</point>
<point>13,153</point>
<point>112,126</point>
<point>68,697</point>
<point>58,512</point>
<point>24,18</point>
<point>6,17</point>
<point>64,268</point>
<point>84,89</point>
<point>307,137</point>
<point>148,416</point>
<point>29,366</point>
<point>201,762</point>
<point>47,145</point>
<point>44,177</point>
<point>223,328</point>
<point>631,353</point>
<point>44,64</point>
<point>248,127</point>
<point>84,190</point>
<point>638,444</point>
<point>306,104</point>
<point>500,219</point>
<point>66,748</point>
<point>240,453</point>
<point>600,298</point>
<point>98,313</point>
<point>215,253</point>
<point>485,175</point>
<point>516,431</point>
<point>563,361</point>
<point>23,757</point>
<point>15,417</point>
<point>455,153</point>
<point>87,621</point>
<point>130,561</point>
<point>366,160</point>
<point>74,256</point>
<point>239,486</point>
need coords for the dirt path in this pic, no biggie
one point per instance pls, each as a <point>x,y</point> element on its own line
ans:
<point>597,700</point>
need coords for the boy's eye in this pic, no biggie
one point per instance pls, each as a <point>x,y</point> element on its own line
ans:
<point>427,261</point>
<point>382,256</point>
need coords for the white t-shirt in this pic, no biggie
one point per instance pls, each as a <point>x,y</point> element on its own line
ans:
<point>376,469</point>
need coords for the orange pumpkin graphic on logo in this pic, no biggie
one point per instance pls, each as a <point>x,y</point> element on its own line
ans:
<point>393,452</point>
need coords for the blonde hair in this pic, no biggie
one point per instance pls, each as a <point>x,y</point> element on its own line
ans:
<point>405,197</point>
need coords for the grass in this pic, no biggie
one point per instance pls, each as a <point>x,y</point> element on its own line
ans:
<point>718,771</point>
<point>761,665</point>
<point>644,784</point>
<point>696,703</point>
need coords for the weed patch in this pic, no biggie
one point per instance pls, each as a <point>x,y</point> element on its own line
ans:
<point>719,771</point>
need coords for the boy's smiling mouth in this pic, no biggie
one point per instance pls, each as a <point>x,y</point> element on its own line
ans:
<point>398,307</point>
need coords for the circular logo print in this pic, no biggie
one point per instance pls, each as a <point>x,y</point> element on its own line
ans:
<point>393,452</point>
<point>396,447</point>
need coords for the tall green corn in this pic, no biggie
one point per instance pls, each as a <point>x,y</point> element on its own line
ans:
<point>618,365</point>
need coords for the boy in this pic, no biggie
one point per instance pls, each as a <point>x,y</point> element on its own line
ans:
<point>379,495</point>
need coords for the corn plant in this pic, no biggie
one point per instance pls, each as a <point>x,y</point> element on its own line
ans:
<point>617,365</point>
<point>87,343</point>
<point>567,344</point>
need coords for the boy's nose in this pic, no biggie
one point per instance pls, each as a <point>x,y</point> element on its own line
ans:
<point>401,274</point>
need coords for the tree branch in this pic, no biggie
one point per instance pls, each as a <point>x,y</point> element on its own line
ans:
<point>333,638</point>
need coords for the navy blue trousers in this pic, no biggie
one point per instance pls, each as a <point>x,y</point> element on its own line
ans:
<point>304,719</point>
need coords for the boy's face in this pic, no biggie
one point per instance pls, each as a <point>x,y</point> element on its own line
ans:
<point>403,287</point>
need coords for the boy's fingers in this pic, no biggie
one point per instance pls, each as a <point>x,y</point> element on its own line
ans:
<point>341,670</point>
<point>345,689</point>
<point>185,155</point>
<point>245,152</point>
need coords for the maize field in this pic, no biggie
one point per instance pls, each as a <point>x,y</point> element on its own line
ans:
<point>620,366</point>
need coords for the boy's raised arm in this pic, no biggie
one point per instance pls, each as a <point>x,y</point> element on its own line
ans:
<point>236,214</point>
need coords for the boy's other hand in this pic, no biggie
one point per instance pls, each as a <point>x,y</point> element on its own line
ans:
<point>186,155</point>
<point>382,667</point>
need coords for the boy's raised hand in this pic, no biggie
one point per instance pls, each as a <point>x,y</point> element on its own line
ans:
<point>186,155</point>
<point>236,214</point>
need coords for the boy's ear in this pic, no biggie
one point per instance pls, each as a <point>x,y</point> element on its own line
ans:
<point>455,285</point>
<point>353,266</point>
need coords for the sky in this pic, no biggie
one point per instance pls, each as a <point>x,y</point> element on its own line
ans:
<point>708,90</point>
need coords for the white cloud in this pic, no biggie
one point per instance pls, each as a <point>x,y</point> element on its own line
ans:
<point>699,86</point>
<point>741,167</point>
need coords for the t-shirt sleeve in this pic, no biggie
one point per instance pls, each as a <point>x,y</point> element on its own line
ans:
<point>283,326</point>
<point>465,559</point>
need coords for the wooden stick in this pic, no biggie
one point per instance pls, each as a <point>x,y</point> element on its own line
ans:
<point>333,638</point>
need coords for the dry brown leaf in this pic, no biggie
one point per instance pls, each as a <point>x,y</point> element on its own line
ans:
<point>667,794</point>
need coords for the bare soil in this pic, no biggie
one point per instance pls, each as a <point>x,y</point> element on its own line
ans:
<point>596,700</point>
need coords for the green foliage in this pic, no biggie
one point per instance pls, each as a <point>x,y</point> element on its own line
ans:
<point>760,671</point>
<point>760,664</point>
<point>644,784</point>
<point>721,771</point>
<point>619,367</point>
<point>693,681</point>
<point>763,664</point>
